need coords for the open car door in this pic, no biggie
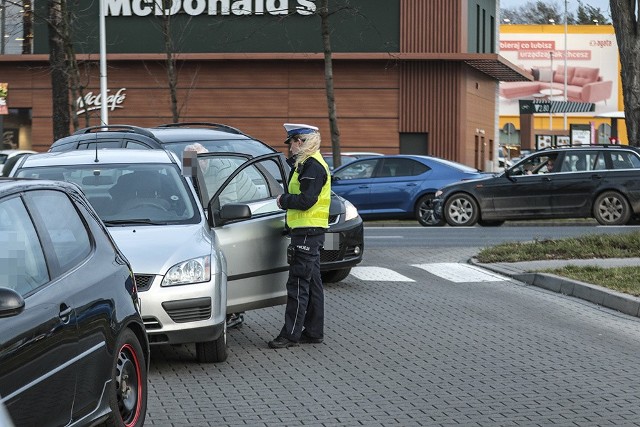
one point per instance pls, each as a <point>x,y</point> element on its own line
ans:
<point>239,193</point>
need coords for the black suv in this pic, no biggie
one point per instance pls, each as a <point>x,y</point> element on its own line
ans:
<point>598,181</point>
<point>344,221</point>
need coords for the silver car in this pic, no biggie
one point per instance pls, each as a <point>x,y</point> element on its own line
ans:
<point>193,265</point>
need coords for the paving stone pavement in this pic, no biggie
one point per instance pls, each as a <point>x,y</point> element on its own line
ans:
<point>423,353</point>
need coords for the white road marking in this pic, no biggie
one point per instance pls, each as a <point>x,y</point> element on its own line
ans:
<point>378,274</point>
<point>461,273</point>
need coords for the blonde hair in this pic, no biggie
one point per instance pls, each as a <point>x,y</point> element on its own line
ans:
<point>310,144</point>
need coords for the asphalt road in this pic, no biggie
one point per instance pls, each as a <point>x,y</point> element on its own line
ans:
<point>406,346</point>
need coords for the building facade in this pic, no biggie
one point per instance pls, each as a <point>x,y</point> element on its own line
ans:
<point>410,76</point>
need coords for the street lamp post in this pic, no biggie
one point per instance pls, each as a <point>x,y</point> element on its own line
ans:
<point>104,115</point>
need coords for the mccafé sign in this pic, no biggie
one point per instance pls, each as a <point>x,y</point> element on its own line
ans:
<point>208,7</point>
<point>90,102</point>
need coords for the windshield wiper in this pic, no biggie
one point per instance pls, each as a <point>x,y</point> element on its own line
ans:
<point>132,221</point>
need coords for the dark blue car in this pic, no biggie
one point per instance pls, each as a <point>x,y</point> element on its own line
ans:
<point>398,187</point>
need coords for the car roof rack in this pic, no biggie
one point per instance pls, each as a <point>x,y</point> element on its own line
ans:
<point>585,146</point>
<point>216,126</point>
<point>122,128</point>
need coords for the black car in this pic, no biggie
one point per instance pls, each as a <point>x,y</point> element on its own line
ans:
<point>335,260</point>
<point>73,348</point>
<point>594,181</point>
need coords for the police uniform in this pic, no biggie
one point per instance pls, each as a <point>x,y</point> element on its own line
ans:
<point>307,204</point>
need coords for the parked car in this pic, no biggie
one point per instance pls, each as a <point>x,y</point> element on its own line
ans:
<point>599,181</point>
<point>344,246</point>
<point>397,186</point>
<point>73,348</point>
<point>8,158</point>
<point>347,157</point>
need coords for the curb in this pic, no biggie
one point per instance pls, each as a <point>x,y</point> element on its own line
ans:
<point>604,297</point>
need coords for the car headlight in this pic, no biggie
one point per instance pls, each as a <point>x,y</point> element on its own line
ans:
<point>351,212</point>
<point>438,193</point>
<point>195,270</point>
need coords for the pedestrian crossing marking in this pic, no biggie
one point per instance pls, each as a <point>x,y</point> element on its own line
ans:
<point>461,273</point>
<point>378,274</point>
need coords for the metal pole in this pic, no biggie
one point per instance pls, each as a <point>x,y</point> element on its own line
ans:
<point>566,16</point>
<point>3,18</point>
<point>104,118</point>
<point>550,90</point>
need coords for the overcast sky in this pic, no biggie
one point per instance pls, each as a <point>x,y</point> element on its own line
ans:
<point>571,4</point>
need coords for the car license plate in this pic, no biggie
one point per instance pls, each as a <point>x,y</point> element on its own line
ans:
<point>331,241</point>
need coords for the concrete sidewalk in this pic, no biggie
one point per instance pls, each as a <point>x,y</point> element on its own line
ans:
<point>527,272</point>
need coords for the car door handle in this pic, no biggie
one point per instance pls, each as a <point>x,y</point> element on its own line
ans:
<point>65,312</point>
<point>363,186</point>
<point>411,184</point>
<point>596,176</point>
<point>546,178</point>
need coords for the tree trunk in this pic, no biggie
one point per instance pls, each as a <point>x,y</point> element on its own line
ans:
<point>625,23</point>
<point>170,62</point>
<point>328,78</point>
<point>59,76</point>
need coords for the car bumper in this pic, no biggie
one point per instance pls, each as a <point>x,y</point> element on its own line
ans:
<point>350,246</point>
<point>183,314</point>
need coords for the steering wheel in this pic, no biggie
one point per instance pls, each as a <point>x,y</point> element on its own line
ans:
<point>136,204</point>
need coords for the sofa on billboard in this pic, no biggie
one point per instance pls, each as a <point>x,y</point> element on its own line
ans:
<point>584,84</point>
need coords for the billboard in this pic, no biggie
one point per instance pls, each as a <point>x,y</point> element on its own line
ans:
<point>4,109</point>
<point>591,66</point>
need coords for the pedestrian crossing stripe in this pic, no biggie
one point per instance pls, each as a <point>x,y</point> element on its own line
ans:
<point>378,274</point>
<point>461,273</point>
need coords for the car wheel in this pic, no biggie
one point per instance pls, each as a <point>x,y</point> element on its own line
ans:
<point>128,394</point>
<point>461,210</point>
<point>334,276</point>
<point>424,211</point>
<point>496,223</point>
<point>611,208</point>
<point>213,351</point>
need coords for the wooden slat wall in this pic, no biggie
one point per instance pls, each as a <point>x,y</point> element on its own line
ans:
<point>255,96</point>
<point>430,102</point>
<point>431,26</point>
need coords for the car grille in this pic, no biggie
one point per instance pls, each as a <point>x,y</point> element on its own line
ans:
<point>330,256</point>
<point>144,281</point>
<point>188,310</point>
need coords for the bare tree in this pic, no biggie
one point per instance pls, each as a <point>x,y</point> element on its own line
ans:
<point>328,78</point>
<point>588,15</point>
<point>170,58</point>
<point>537,12</point>
<point>624,14</point>
<point>58,63</point>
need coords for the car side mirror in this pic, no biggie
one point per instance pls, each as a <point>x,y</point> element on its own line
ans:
<point>11,303</point>
<point>228,213</point>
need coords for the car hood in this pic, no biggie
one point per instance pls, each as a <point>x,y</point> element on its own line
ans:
<point>154,249</point>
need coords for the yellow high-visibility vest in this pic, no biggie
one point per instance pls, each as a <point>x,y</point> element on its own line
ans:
<point>318,214</point>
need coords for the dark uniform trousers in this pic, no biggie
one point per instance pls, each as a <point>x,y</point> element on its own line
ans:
<point>305,297</point>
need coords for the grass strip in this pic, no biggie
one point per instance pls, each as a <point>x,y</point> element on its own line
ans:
<point>621,279</point>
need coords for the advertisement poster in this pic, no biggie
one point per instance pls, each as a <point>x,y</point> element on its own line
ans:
<point>3,98</point>
<point>591,75</point>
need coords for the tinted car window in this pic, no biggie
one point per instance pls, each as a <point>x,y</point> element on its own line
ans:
<point>64,228</point>
<point>624,160</point>
<point>401,167</point>
<point>358,169</point>
<point>22,263</point>
<point>103,144</point>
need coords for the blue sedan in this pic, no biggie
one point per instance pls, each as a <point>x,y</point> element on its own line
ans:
<point>398,187</point>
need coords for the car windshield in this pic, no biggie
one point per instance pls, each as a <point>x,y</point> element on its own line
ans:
<point>129,193</point>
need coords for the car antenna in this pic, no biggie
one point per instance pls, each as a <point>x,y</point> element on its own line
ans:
<point>96,159</point>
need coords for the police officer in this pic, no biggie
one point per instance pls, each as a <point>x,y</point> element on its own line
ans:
<point>307,205</point>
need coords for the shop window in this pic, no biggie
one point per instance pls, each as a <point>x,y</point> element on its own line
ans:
<point>15,129</point>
